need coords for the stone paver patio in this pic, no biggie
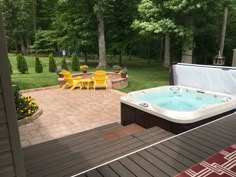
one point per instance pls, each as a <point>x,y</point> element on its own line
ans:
<point>67,112</point>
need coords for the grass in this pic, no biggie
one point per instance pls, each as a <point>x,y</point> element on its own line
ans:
<point>141,74</point>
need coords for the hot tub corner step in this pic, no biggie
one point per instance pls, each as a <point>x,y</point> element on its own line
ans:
<point>123,131</point>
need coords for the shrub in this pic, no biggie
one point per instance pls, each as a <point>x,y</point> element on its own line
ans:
<point>75,62</point>
<point>38,66</point>
<point>52,63</point>
<point>25,106</point>
<point>64,64</point>
<point>21,64</point>
<point>10,66</point>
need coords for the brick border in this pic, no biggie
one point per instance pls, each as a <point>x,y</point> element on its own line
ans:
<point>39,89</point>
<point>30,119</point>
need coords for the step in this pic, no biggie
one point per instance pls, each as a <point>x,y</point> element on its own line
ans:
<point>78,138</point>
<point>123,131</point>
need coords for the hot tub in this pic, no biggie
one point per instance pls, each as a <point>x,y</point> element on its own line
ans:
<point>175,108</point>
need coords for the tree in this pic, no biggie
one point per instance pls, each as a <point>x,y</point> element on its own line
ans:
<point>99,10</point>
<point>52,64</point>
<point>21,64</point>
<point>223,31</point>
<point>176,17</point>
<point>38,66</point>
<point>119,16</point>
<point>76,27</point>
<point>64,64</point>
<point>18,23</point>
<point>46,41</point>
<point>10,66</point>
<point>75,62</point>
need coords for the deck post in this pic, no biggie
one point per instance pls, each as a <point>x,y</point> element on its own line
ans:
<point>234,58</point>
<point>8,106</point>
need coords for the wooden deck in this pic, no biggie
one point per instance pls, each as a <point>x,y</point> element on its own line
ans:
<point>75,153</point>
<point>174,155</point>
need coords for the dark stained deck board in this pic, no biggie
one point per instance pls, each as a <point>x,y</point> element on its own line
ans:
<point>147,132</point>
<point>201,141</point>
<point>179,153</point>
<point>214,133</point>
<point>169,152</point>
<point>217,144</point>
<point>93,134</point>
<point>102,159</point>
<point>228,131</point>
<point>196,144</point>
<point>121,170</point>
<point>156,172</point>
<point>76,154</point>
<point>170,171</point>
<point>154,135</point>
<point>93,173</point>
<point>167,159</point>
<point>79,163</point>
<point>107,171</point>
<point>53,158</point>
<point>134,168</point>
<point>188,150</point>
<point>157,137</point>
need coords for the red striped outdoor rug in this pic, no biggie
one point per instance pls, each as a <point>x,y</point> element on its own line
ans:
<point>222,164</point>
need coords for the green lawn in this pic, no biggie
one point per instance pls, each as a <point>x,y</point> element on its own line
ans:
<point>141,74</point>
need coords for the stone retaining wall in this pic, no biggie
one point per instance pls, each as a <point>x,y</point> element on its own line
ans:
<point>30,119</point>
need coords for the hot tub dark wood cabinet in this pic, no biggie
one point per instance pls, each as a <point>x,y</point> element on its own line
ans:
<point>131,115</point>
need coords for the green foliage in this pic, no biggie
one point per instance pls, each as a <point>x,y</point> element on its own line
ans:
<point>21,64</point>
<point>25,106</point>
<point>52,63</point>
<point>116,67</point>
<point>64,64</point>
<point>10,66</point>
<point>38,66</point>
<point>46,41</point>
<point>75,62</point>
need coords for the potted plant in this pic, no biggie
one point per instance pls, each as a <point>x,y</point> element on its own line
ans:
<point>123,72</point>
<point>116,68</point>
<point>84,68</point>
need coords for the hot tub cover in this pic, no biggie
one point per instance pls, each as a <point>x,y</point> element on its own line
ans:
<point>206,77</point>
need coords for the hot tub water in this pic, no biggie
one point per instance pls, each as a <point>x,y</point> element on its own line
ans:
<point>180,99</point>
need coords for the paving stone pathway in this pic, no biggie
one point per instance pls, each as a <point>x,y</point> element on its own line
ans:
<point>67,112</point>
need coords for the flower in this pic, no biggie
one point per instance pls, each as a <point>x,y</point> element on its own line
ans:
<point>84,67</point>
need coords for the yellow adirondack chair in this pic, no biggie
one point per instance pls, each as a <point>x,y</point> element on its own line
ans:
<point>100,79</point>
<point>71,82</point>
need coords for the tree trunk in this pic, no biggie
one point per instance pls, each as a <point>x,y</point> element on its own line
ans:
<point>85,57</point>
<point>161,48</point>
<point>167,51</point>
<point>101,42</point>
<point>16,45</point>
<point>120,58</point>
<point>35,25</point>
<point>28,43</point>
<point>187,49</point>
<point>223,31</point>
<point>22,45</point>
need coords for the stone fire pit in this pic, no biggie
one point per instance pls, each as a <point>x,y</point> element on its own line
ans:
<point>114,79</point>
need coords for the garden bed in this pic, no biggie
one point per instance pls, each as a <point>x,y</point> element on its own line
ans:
<point>114,79</point>
<point>30,119</point>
